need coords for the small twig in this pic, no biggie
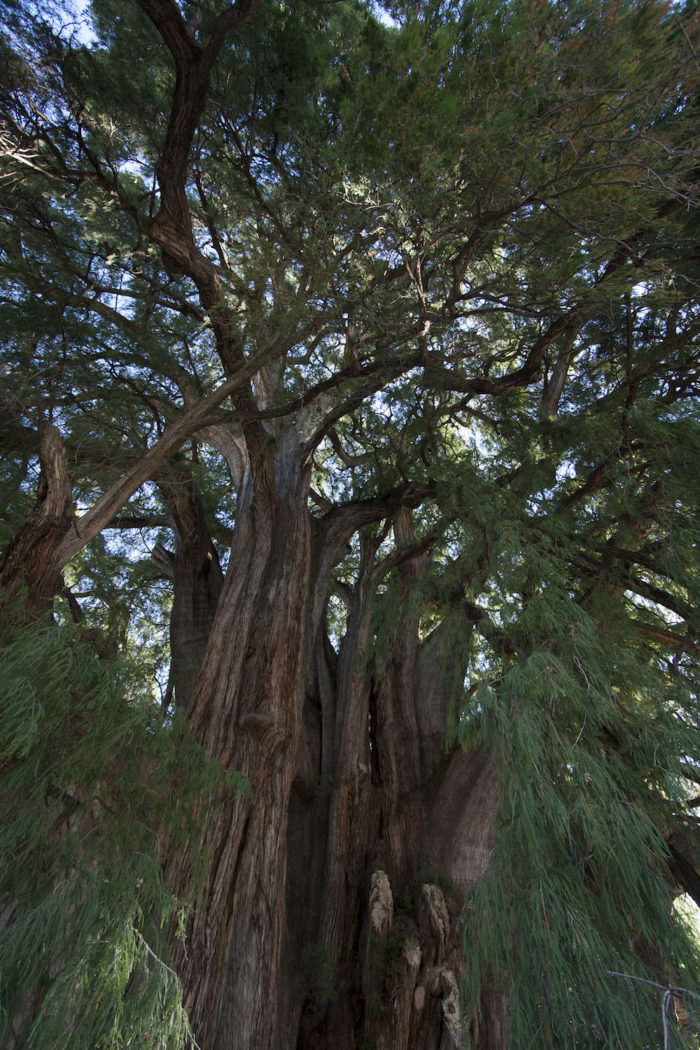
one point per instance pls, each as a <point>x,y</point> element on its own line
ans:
<point>667,1000</point>
<point>165,966</point>
<point>153,955</point>
<point>585,676</point>
<point>580,732</point>
<point>655,984</point>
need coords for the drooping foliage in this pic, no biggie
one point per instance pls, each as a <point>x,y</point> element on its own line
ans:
<point>446,261</point>
<point>87,769</point>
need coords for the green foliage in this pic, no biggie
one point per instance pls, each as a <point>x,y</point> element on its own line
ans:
<point>86,777</point>
<point>593,741</point>
<point>593,726</point>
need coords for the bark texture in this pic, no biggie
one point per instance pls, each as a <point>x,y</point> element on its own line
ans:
<point>197,582</point>
<point>334,890</point>
<point>29,565</point>
<point>246,712</point>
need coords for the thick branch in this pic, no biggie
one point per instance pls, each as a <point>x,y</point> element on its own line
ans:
<point>28,565</point>
<point>345,457</point>
<point>336,527</point>
<point>144,521</point>
<point>110,503</point>
<point>599,571</point>
<point>171,228</point>
<point>193,65</point>
<point>554,387</point>
<point>664,637</point>
<point>529,371</point>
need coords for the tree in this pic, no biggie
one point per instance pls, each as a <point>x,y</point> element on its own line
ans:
<point>383,336</point>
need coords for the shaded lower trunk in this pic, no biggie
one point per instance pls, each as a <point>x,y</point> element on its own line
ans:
<point>333,891</point>
<point>403,829</point>
<point>390,975</point>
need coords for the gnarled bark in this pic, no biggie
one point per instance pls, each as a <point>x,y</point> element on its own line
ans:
<point>30,565</point>
<point>246,713</point>
<point>383,953</point>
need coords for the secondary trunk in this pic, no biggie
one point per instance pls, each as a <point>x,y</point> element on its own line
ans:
<point>402,827</point>
<point>29,568</point>
<point>197,582</point>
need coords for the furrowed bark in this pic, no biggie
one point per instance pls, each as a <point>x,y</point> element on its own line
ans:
<point>29,565</point>
<point>350,815</point>
<point>383,959</point>
<point>171,227</point>
<point>246,713</point>
<point>197,582</point>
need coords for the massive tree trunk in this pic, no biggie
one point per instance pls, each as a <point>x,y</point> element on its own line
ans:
<point>334,890</point>
<point>341,925</point>
<point>246,712</point>
<point>273,929</point>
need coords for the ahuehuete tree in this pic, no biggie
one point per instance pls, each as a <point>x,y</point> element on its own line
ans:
<point>349,594</point>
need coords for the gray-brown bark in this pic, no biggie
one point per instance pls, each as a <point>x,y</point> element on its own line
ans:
<point>281,952</point>
<point>242,965</point>
<point>379,938</point>
<point>248,707</point>
<point>29,566</point>
<point>246,713</point>
<point>197,582</point>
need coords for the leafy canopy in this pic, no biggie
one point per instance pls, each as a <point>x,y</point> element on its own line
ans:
<point>461,252</point>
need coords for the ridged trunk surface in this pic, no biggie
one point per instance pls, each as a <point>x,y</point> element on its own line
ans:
<point>246,712</point>
<point>335,890</point>
<point>30,572</point>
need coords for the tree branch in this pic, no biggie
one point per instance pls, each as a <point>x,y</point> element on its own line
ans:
<point>84,529</point>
